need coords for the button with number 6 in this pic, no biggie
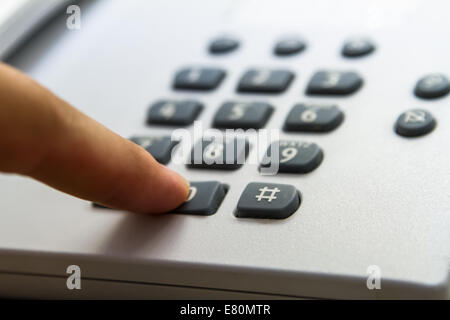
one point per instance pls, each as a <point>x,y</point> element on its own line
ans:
<point>313,118</point>
<point>292,157</point>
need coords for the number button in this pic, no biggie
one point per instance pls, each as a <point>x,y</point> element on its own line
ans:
<point>174,113</point>
<point>432,86</point>
<point>265,81</point>
<point>292,156</point>
<point>313,118</point>
<point>199,78</point>
<point>232,115</point>
<point>268,201</point>
<point>334,83</point>
<point>228,155</point>
<point>159,147</point>
<point>204,198</point>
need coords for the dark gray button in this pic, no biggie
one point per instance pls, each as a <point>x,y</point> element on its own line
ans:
<point>204,198</point>
<point>159,147</point>
<point>268,201</point>
<point>414,123</point>
<point>223,45</point>
<point>313,118</point>
<point>357,48</point>
<point>199,78</point>
<point>290,46</point>
<point>432,86</point>
<point>174,113</point>
<point>99,206</point>
<point>334,83</point>
<point>265,81</point>
<point>215,154</point>
<point>234,115</point>
<point>293,156</point>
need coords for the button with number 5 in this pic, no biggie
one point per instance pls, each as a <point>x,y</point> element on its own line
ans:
<point>292,157</point>
<point>235,115</point>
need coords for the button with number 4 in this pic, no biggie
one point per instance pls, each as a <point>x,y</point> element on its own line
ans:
<point>236,115</point>
<point>313,118</point>
<point>174,113</point>
<point>292,157</point>
<point>268,201</point>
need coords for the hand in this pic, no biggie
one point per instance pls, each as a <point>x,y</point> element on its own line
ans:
<point>43,137</point>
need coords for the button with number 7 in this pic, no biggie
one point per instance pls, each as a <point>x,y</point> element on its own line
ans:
<point>292,157</point>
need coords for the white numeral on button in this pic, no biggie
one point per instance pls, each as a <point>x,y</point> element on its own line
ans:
<point>237,112</point>
<point>192,193</point>
<point>331,80</point>
<point>288,154</point>
<point>168,110</point>
<point>309,116</point>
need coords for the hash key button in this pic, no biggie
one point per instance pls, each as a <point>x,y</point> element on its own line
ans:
<point>292,157</point>
<point>268,201</point>
<point>313,118</point>
<point>204,198</point>
<point>199,78</point>
<point>334,83</point>
<point>265,81</point>
<point>159,147</point>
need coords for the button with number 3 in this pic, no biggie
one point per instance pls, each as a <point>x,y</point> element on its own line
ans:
<point>293,156</point>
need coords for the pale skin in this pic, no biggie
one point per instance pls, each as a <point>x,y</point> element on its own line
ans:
<point>45,138</point>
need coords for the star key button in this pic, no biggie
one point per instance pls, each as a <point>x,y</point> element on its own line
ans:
<point>291,157</point>
<point>268,201</point>
<point>334,83</point>
<point>313,118</point>
<point>265,81</point>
